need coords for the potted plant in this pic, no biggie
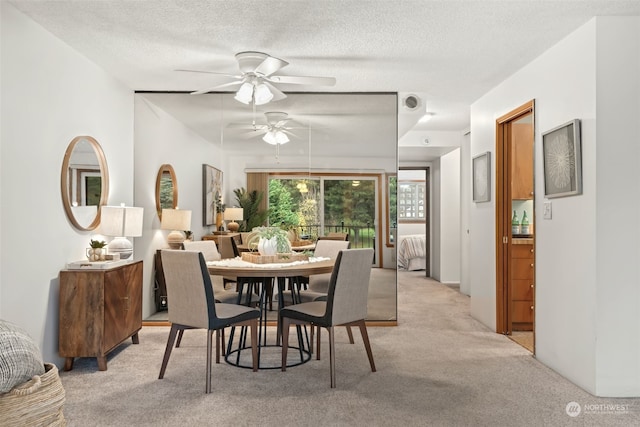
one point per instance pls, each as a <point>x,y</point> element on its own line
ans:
<point>271,240</point>
<point>220,208</point>
<point>96,251</point>
<point>250,201</point>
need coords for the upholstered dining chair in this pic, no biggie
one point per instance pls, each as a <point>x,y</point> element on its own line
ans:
<point>335,236</point>
<point>318,284</point>
<point>193,306</point>
<point>210,253</point>
<point>346,304</point>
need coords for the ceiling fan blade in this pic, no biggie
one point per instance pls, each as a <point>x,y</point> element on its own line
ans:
<point>304,80</point>
<point>248,126</point>
<point>289,133</point>
<point>277,93</point>
<point>252,134</point>
<point>270,65</point>
<point>281,123</point>
<point>211,89</point>
<point>234,76</point>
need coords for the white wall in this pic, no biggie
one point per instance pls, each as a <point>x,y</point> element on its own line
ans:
<point>618,194</point>
<point>582,294</point>
<point>465,207</point>
<point>161,139</point>
<point>50,94</point>
<point>450,218</point>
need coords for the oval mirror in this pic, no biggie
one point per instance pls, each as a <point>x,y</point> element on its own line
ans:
<point>166,189</point>
<point>84,182</point>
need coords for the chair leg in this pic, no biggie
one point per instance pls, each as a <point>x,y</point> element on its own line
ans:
<point>350,334</point>
<point>253,325</point>
<point>285,341</point>
<point>332,356</point>
<point>218,345</point>
<point>209,351</point>
<point>179,338</point>
<point>311,340</point>
<point>318,329</point>
<point>367,345</point>
<point>167,351</point>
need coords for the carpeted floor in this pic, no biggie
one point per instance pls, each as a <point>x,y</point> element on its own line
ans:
<point>439,367</point>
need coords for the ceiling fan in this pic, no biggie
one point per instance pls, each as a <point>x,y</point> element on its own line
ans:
<point>275,132</point>
<point>258,79</point>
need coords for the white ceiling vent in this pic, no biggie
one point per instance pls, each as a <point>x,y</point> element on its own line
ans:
<point>411,102</point>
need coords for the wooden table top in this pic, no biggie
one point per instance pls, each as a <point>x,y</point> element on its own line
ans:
<point>306,269</point>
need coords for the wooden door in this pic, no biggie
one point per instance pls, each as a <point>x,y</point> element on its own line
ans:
<point>514,181</point>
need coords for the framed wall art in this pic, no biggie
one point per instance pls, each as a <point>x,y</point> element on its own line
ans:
<point>562,157</point>
<point>482,177</point>
<point>211,191</point>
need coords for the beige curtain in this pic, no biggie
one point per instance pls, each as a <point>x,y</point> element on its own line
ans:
<point>259,181</point>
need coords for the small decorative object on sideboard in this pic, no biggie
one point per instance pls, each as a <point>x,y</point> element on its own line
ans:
<point>97,251</point>
<point>271,240</point>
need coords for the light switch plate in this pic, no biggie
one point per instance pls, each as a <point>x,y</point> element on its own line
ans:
<point>547,210</point>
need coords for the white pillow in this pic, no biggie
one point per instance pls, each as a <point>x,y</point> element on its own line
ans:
<point>20,357</point>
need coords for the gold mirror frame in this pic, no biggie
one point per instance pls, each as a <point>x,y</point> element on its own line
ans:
<point>66,182</point>
<point>166,168</point>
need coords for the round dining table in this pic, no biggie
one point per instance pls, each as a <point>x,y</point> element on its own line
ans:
<point>249,274</point>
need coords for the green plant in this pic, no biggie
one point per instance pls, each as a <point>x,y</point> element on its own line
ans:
<point>282,242</point>
<point>97,244</point>
<point>188,234</point>
<point>220,207</point>
<point>250,201</point>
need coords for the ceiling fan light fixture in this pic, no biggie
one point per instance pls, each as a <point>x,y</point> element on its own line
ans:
<point>281,138</point>
<point>275,137</point>
<point>245,93</point>
<point>270,138</point>
<point>262,94</point>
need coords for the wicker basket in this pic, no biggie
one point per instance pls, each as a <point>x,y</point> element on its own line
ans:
<point>37,402</point>
<point>256,258</point>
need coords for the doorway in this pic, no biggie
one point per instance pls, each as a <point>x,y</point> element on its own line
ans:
<point>515,225</point>
<point>414,217</point>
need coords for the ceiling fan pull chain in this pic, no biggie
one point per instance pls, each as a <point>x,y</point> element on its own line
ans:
<point>254,114</point>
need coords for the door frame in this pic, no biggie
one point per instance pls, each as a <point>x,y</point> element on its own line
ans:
<point>427,212</point>
<point>503,214</point>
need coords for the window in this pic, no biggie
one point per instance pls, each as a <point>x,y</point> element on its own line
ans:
<point>411,201</point>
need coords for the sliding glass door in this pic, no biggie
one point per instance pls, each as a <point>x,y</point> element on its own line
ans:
<point>318,205</point>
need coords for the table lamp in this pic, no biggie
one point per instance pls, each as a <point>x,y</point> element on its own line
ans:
<point>121,222</point>
<point>233,214</point>
<point>175,220</point>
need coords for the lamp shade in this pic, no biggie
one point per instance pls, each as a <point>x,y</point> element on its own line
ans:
<point>233,214</point>
<point>120,222</point>
<point>175,220</point>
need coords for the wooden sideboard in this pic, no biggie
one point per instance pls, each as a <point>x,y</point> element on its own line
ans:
<point>99,309</point>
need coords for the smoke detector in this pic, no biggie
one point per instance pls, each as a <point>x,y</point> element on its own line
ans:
<point>411,102</point>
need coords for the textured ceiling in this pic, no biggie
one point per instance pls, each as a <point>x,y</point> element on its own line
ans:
<point>447,52</point>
